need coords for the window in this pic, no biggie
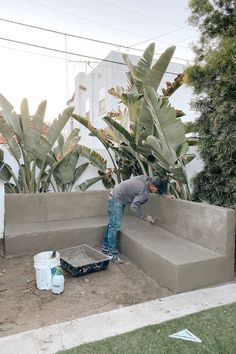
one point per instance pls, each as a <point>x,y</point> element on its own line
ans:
<point>101,103</point>
<point>87,108</point>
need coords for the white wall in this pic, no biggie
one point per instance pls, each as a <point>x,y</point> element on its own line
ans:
<point>192,168</point>
<point>111,75</point>
<point>195,166</point>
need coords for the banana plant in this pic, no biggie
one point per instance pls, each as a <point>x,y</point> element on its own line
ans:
<point>153,142</point>
<point>103,137</point>
<point>156,136</point>
<point>63,169</point>
<point>28,143</point>
<point>7,174</point>
<point>168,144</point>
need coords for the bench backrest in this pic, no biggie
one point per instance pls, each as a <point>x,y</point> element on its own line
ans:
<point>207,225</point>
<point>23,208</point>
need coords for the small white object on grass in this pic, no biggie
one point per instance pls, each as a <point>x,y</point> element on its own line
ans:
<point>186,335</point>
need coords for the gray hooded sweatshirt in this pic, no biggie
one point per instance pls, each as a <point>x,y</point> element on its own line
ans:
<point>133,191</point>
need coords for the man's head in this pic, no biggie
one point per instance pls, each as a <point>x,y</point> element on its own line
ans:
<point>156,185</point>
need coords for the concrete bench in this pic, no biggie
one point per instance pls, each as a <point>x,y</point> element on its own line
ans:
<point>190,247</point>
<point>40,222</point>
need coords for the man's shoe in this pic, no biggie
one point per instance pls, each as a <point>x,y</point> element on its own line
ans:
<point>106,250</point>
<point>115,259</point>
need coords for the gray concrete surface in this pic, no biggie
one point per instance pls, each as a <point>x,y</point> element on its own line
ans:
<point>174,262</point>
<point>31,238</point>
<point>42,207</point>
<point>192,246</point>
<point>207,225</point>
<point>51,339</point>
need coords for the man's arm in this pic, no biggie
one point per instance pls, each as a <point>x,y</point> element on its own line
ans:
<point>135,209</point>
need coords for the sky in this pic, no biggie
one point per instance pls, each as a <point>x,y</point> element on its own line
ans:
<point>37,74</point>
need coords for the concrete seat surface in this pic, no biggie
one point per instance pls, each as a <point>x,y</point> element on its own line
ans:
<point>171,247</point>
<point>175,263</point>
<point>30,238</point>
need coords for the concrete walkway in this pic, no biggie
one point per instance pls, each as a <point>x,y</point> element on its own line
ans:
<point>69,334</point>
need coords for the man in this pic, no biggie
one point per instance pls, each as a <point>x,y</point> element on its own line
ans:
<point>135,192</point>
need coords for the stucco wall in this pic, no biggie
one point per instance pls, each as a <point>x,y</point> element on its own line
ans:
<point>207,225</point>
<point>24,208</point>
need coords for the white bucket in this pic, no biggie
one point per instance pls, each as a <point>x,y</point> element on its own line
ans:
<point>44,268</point>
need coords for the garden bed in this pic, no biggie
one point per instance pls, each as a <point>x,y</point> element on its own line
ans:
<point>24,307</point>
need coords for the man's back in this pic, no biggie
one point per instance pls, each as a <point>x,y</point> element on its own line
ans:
<point>136,187</point>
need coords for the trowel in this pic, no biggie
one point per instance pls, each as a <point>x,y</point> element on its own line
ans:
<point>156,219</point>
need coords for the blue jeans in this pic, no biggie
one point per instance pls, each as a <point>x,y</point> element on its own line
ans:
<point>115,213</point>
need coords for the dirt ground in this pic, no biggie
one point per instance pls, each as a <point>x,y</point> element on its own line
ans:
<point>24,307</point>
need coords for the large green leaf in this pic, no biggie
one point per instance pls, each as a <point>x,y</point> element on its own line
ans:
<point>119,131</point>
<point>71,142</point>
<point>96,132</point>
<point>130,66</point>
<point>73,159</point>
<point>170,130</point>
<point>5,171</point>
<point>44,144</point>
<point>65,148</point>
<point>25,117</point>
<point>58,149</point>
<point>139,73</point>
<point>50,161</point>
<point>79,171</point>
<point>67,173</point>
<point>10,116</point>
<point>96,159</point>
<point>10,188</point>
<point>88,183</point>
<point>58,124</point>
<point>42,148</point>
<point>158,70</point>
<point>38,118</point>
<point>144,64</point>
<point>32,126</point>
<point>179,174</point>
<point>182,149</point>
<point>145,126</point>
<point>9,134</point>
<point>156,150</point>
<point>149,78</point>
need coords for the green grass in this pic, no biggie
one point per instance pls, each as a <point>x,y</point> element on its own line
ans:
<point>216,328</point>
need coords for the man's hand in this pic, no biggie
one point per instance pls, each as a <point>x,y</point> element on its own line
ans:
<point>169,196</point>
<point>149,219</point>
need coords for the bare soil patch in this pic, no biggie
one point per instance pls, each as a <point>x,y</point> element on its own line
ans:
<point>24,307</point>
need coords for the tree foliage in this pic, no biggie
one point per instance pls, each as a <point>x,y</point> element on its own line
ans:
<point>213,78</point>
